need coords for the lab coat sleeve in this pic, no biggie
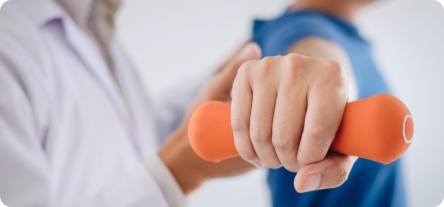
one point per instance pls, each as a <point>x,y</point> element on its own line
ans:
<point>166,181</point>
<point>137,188</point>
<point>173,103</point>
<point>24,177</point>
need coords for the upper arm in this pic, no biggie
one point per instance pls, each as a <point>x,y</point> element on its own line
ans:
<point>25,171</point>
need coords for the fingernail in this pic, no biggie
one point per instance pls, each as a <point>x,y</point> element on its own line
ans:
<point>312,182</point>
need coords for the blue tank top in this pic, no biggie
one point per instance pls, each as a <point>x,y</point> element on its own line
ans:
<point>370,183</point>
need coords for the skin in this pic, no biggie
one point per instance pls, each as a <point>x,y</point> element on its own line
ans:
<point>189,170</point>
<point>285,111</point>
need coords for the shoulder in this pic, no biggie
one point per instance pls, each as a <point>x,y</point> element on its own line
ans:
<point>24,59</point>
<point>20,36</point>
<point>277,35</point>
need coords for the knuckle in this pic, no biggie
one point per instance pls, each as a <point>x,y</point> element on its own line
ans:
<point>283,143</point>
<point>317,136</point>
<point>292,69</point>
<point>238,126</point>
<point>334,65</point>
<point>246,67</point>
<point>316,132</point>
<point>333,69</point>
<point>268,59</point>
<point>245,151</point>
<point>247,154</point>
<point>259,135</point>
<point>294,58</point>
<point>266,65</point>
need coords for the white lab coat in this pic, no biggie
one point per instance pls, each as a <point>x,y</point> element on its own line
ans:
<point>69,136</point>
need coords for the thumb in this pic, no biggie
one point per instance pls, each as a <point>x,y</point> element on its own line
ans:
<point>219,87</point>
<point>331,172</point>
<point>228,71</point>
<point>250,51</point>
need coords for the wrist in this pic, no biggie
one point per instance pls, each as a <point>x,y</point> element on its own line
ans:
<point>179,158</point>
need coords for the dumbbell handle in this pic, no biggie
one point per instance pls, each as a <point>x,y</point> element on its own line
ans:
<point>379,128</point>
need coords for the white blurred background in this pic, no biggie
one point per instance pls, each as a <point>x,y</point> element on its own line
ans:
<point>172,39</point>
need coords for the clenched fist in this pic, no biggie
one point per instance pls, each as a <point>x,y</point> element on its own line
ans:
<point>285,111</point>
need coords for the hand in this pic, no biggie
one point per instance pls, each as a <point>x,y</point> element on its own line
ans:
<point>189,170</point>
<point>285,111</point>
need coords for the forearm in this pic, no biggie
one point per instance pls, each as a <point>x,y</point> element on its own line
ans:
<point>181,161</point>
<point>189,170</point>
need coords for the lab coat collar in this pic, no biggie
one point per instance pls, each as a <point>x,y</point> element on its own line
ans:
<point>88,51</point>
<point>40,12</point>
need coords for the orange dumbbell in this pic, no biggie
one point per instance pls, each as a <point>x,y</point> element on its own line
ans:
<point>379,128</point>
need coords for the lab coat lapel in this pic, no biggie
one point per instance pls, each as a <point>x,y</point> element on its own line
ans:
<point>94,62</point>
<point>141,108</point>
<point>44,11</point>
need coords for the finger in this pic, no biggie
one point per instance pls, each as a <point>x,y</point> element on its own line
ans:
<point>243,54</point>
<point>325,106</point>
<point>261,122</point>
<point>288,123</point>
<point>331,172</point>
<point>251,51</point>
<point>240,116</point>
